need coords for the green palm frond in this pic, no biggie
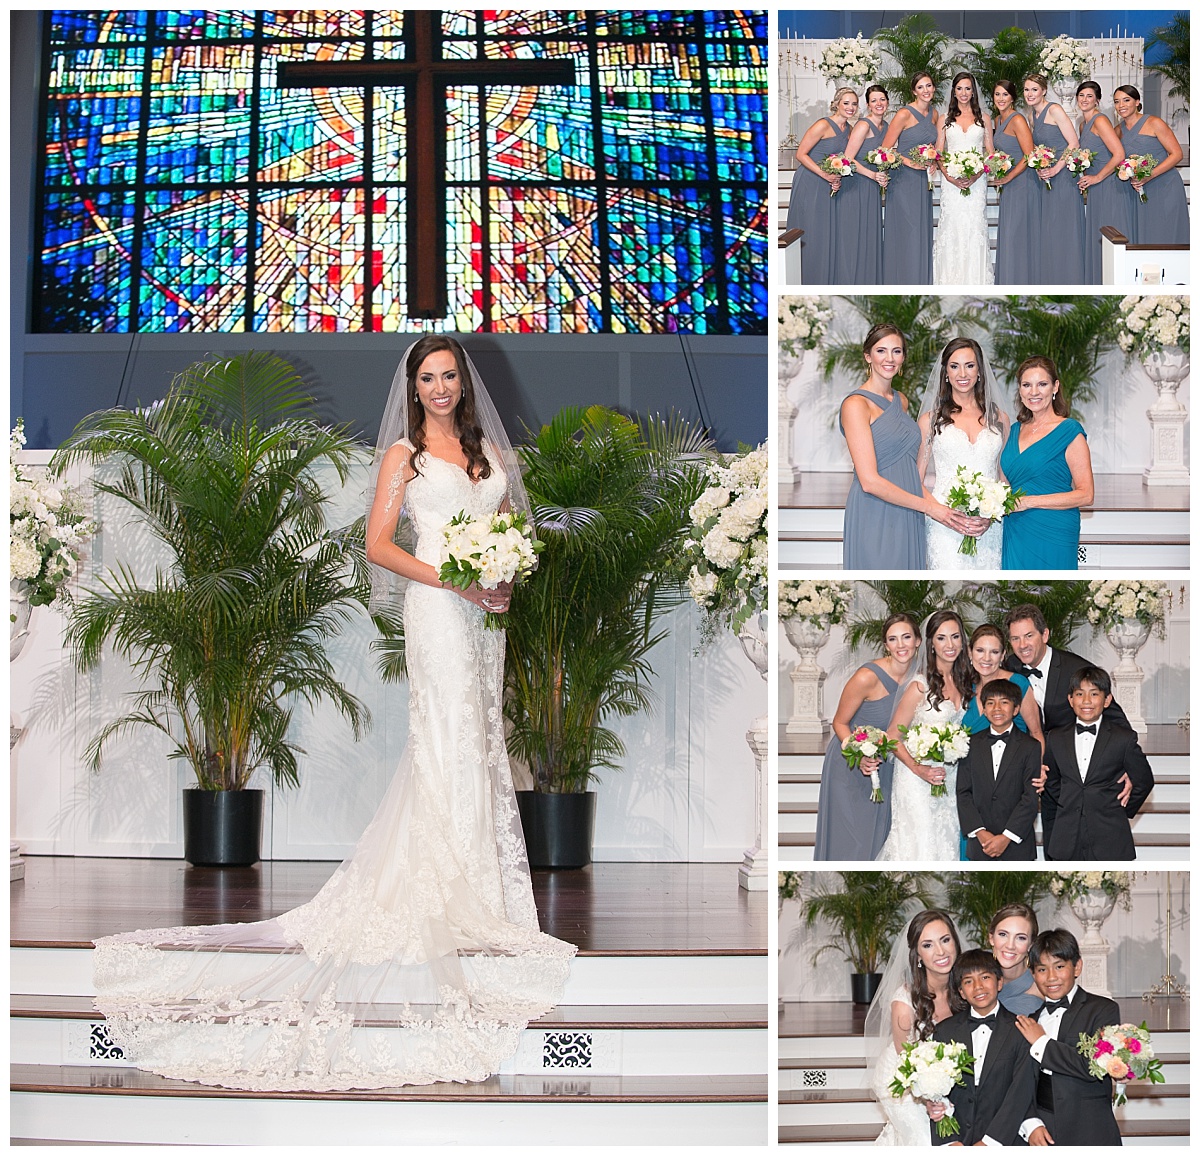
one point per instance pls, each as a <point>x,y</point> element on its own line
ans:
<point>973,897</point>
<point>1012,54</point>
<point>919,597</point>
<point>914,45</point>
<point>1176,38</point>
<point>1063,604</point>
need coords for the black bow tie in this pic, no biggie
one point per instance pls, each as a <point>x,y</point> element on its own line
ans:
<point>979,1021</point>
<point>1032,672</point>
<point>1053,1005</point>
<point>1080,729</point>
<point>998,738</point>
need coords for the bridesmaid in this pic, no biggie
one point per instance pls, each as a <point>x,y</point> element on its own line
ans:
<point>1163,219</point>
<point>908,229</point>
<point>1047,456</point>
<point>1018,199</point>
<point>1058,239</point>
<point>1010,935</point>
<point>849,826</point>
<point>859,259</point>
<point>1107,203</point>
<point>814,207</point>
<point>887,504</point>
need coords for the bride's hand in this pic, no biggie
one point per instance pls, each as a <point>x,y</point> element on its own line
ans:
<point>959,523</point>
<point>934,776</point>
<point>493,601</point>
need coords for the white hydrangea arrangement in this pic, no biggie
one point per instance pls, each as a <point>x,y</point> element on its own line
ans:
<point>47,526</point>
<point>1150,324</point>
<point>963,165</point>
<point>1117,601</point>
<point>803,323</point>
<point>853,59</point>
<point>1069,885</point>
<point>823,603</point>
<point>928,1070</point>
<point>491,550</point>
<point>1065,58</point>
<point>726,549</point>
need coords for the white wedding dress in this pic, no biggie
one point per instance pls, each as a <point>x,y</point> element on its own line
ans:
<point>924,826</point>
<point>961,255</point>
<point>907,1121</point>
<point>952,448</point>
<point>421,959</point>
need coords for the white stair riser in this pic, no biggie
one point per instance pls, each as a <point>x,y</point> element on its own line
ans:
<point>1128,1141</point>
<point>793,1079</point>
<point>797,521</point>
<point>812,764</point>
<point>868,1111</point>
<point>1142,824</point>
<point>791,855</point>
<point>839,1047</point>
<point>1141,558</point>
<point>640,1052</point>
<point>594,979</point>
<point>1165,793</point>
<point>218,1120</point>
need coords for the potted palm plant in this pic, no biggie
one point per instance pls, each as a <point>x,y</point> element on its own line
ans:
<point>610,496</point>
<point>868,910</point>
<point>228,632</point>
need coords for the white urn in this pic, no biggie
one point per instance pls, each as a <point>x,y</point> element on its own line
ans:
<point>789,368</point>
<point>807,635</point>
<point>1092,908</point>
<point>1167,368</point>
<point>1127,637</point>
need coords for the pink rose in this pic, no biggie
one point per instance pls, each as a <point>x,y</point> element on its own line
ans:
<point>859,736</point>
<point>1117,1068</point>
<point>1134,1046</point>
<point>1104,1048</point>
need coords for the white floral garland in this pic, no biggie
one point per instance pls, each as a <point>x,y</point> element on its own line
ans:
<point>824,603</point>
<point>1150,324</point>
<point>1122,600</point>
<point>852,59</point>
<point>803,323</point>
<point>1065,58</point>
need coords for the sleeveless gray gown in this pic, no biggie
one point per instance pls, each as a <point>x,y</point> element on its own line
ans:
<point>812,209</point>
<point>1163,219</point>
<point>858,258</point>
<point>908,216</point>
<point>1058,243</point>
<point>1017,228</point>
<point>1108,203</point>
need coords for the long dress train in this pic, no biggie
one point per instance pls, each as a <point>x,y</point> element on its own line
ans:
<point>421,959</point>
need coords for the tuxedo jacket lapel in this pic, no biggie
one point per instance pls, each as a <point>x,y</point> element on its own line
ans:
<point>1067,760</point>
<point>1053,675</point>
<point>1103,735</point>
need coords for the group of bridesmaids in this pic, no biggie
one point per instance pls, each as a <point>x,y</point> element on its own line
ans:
<point>876,226</point>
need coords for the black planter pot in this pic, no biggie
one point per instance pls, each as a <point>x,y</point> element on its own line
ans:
<point>863,986</point>
<point>222,828</point>
<point>558,828</point>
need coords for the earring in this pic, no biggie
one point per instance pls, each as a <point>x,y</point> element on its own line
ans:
<point>919,963</point>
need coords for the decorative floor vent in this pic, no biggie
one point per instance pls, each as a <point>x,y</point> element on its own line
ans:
<point>814,1078</point>
<point>101,1046</point>
<point>563,1050</point>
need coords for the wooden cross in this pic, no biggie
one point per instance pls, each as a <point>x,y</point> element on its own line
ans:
<point>426,76</point>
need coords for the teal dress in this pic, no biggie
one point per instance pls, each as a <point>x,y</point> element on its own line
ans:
<point>1041,539</point>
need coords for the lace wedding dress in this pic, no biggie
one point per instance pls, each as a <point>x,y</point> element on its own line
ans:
<point>961,255</point>
<point>421,959</point>
<point>907,1121</point>
<point>952,448</point>
<point>924,826</point>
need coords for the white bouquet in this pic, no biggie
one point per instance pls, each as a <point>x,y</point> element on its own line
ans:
<point>930,744</point>
<point>1151,324</point>
<point>929,1069</point>
<point>1064,58</point>
<point>47,526</point>
<point>803,322</point>
<point>981,497</point>
<point>1068,885</point>
<point>1114,602</point>
<point>852,59</point>
<point>487,551</point>
<point>824,603</point>
<point>726,549</point>
<point>963,165</point>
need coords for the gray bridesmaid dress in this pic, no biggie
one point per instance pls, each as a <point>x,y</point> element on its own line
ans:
<point>908,215</point>
<point>812,209</point>
<point>875,534</point>
<point>1108,203</point>
<point>1058,242</point>
<point>849,825</point>
<point>858,259</point>
<point>1163,219</point>
<point>1015,233</point>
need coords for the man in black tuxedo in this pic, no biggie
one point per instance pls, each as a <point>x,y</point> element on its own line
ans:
<point>1070,1105</point>
<point>1049,671</point>
<point>992,1103</point>
<point>1085,763</point>
<point>997,801</point>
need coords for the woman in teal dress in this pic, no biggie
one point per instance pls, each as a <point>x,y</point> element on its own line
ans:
<point>1046,456</point>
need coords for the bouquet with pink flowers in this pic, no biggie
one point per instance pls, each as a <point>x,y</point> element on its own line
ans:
<point>868,742</point>
<point>1042,157</point>
<point>884,160</point>
<point>837,165</point>
<point>1080,160</point>
<point>997,164</point>
<point>1124,1052</point>
<point>1136,167</point>
<point>927,156</point>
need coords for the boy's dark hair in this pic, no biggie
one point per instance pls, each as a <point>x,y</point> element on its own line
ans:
<point>973,961</point>
<point>1059,943</point>
<point>1096,675</point>
<point>1002,688</point>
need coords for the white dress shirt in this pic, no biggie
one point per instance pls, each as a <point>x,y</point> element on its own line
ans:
<point>1085,744</point>
<point>1039,684</point>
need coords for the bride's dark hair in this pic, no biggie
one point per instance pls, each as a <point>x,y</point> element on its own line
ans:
<point>961,672</point>
<point>946,407</point>
<point>922,997</point>
<point>976,111</point>
<point>466,424</point>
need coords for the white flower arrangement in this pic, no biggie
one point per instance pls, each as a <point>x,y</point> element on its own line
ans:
<point>823,603</point>
<point>47,526</point>
<point>1151,324</point>
<point>488,551</point>
<point>1065,58</point>
<point>727,547</point>
<point>928,1070</point>
<point>963,165</point>
<point>1068,885</point>
<point>803,323</point>
<point>974,493</point>
<point>930,744</point>
<point>853,59</point>
<point>1117,601</point>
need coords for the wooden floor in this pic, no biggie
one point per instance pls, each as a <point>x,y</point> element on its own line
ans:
<point>608,908</point>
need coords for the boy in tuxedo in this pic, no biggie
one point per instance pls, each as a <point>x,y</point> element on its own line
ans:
<point>1085,761</point>
<point>992,1103</point>
<point>1070,1105</point>
<point>997,801</point>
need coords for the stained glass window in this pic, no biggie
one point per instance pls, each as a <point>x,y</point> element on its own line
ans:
<point>185,186</point>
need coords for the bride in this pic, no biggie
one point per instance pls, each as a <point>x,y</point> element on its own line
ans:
<point>914,996</point>
<point>961,424</point>
<point>961,254</point>
<point>925,827</point>
<point>421,959</point>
